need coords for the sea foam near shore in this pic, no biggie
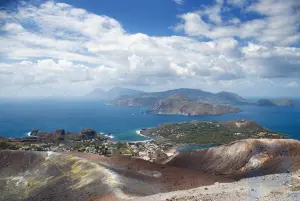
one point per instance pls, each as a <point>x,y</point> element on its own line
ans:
<point>143,141</point>
<point>138,132</point>
<point>110,136</point>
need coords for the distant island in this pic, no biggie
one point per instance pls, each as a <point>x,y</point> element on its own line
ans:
<point>278,102</point>
<point>130,97</point>
<point>179,104</point>
<point>149,99</point>
<point>112,93</point>
<point>197,132</point>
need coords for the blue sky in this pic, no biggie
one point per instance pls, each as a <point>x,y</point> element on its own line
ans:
<point>70,47</point>
<point>150,17</point>
<point>155,18</point>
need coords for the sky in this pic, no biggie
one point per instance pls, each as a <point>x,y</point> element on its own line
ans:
<point>70,47</point>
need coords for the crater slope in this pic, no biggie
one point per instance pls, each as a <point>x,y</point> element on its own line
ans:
<point>36,176</point>
<point>243,158</point>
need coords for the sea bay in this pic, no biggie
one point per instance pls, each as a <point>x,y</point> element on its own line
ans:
<point>18,117</point>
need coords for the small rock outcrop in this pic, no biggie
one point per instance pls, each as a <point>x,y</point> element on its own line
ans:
<point>88,133</point>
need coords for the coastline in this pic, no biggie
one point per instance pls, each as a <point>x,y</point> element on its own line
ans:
<point>138,132</point>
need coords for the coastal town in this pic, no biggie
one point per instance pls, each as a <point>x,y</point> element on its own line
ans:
<point>88,141</point>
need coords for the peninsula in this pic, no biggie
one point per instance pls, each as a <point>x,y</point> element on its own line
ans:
<point>197,132</point>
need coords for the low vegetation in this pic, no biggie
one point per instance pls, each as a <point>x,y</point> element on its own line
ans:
<point>197,132</point>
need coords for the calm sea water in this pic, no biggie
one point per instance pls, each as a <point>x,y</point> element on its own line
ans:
<point>18,117</point>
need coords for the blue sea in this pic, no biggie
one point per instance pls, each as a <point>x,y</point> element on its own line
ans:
<point>18,117</point>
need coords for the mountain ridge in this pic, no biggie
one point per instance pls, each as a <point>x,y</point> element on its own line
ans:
<point>130,97</point>
<point>148,99</point>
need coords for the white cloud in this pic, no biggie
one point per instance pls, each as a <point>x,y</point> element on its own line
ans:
<point>237,3</point>
<point>179,2</point>
<point>72,51</point>
<point>12,27</point>
<point>278,26</point>
<point>193,25</point>
<point>293,84</point>
<point>234,21</point>
<point>213,12</point>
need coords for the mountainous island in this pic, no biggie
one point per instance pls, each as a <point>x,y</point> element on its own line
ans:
<point>278,102</point>
<point>129,97</point>
<point>179,104</point>
<point>148,99</point>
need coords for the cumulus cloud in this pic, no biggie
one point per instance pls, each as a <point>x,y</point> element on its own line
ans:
<point>279,24</point>
<point>12,27</point>
<point>73,51</point>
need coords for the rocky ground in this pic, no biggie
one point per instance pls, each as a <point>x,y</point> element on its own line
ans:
<point>273,187</point>
<point>153,152</point>
<point>202,175</point>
